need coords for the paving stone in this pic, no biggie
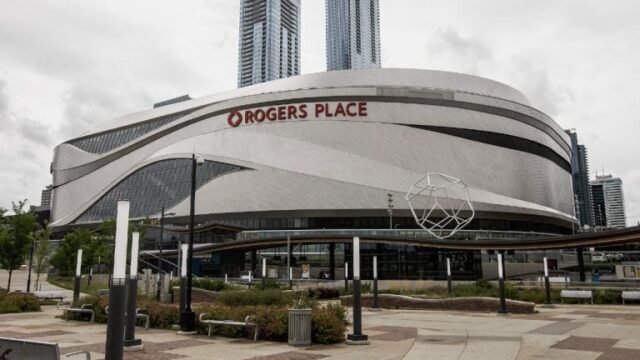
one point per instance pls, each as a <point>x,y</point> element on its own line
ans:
<point>585,344</point>
<point>558,328</point>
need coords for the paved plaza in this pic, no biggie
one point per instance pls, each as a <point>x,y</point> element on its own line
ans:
<point>565,332</point>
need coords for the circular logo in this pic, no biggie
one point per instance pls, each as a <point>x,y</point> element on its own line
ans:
<point>234,119</point>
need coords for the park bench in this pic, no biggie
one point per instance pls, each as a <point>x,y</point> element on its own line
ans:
<point>50,295</point>
<point>247,323</point>
<point>11,349</point>
<point>140,314</point>
<point>576,294</point>
<point>630,295</point>
<point>83,309</point>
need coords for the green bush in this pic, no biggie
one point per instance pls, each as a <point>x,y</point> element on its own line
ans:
<point>272,320</point>
<point>24,302</point>
<point>269,284</point>
<point>8,308</point>
<point>256,297</point>
<point>328,324</point>
<point>607,297</point>
<point>323,293</point>
<point>211,284</point>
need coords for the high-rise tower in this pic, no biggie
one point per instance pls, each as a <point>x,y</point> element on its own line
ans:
<point>580,174</point>
<point>353,34</point>
<point>608,201</point>
<point>269,40</point>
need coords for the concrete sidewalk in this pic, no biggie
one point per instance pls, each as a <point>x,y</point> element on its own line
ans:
<point>19,283</point>
<point>567,332</point>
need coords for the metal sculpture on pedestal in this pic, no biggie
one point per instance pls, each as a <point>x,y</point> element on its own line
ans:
<point>440,203</point>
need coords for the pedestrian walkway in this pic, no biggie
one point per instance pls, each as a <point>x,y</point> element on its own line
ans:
<point>568,332</point>
<point>19,283</point>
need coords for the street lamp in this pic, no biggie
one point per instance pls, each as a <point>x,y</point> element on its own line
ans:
<point>390,209</point>
<point>160,274</point>
<point>187,316</point>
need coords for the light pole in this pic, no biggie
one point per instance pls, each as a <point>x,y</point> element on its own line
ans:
<point>160,245</point>
<point>357,338</point>
<point>117,292</point>
<point>546,282</point>
<point>449,287</point>
<point>130,341</point>
<point>375,282</point>
<point>346,278</point>
<point>187,316</point>
<point>76,283</point>
<point>264,273</point>
<point>33,245</point>
<point>390,209</point>
<point>503,304</point>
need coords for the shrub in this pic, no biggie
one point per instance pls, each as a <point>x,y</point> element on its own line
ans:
<point>272,320</point>
<point>8,308</point>
<point>24,302</point>
<point>323,293</point>
<point>269,284</point>
<point>211,284</point>
<point>256,297</point>
<point>328,325</point>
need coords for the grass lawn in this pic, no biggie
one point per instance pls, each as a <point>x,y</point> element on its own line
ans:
<point>66,282</point>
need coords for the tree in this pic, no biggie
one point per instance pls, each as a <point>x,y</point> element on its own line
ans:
<point>42,237</point>
<point>64,259</point>
<point>13,248</point>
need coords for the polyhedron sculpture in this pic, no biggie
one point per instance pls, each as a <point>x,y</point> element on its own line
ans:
<point>440,204</point>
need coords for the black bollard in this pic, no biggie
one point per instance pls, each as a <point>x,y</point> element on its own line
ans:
<point>115,322</point>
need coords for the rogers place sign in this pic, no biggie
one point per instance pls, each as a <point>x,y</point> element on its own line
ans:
<point>297,112</point>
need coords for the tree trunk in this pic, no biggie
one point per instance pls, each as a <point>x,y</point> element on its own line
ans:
<point>9,282</point>
<point>37,279</point>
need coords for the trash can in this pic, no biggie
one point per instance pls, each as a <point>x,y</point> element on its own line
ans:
<point>595,277</point>
<point>300,327</point>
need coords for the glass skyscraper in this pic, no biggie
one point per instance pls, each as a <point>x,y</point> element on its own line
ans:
<point>353,34</point>
<point>269,40</point>
<point>580,175</point>
<point>608,201</point>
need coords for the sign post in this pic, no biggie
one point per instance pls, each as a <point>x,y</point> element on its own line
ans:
<point>449,286</point>
<point>503,304</point>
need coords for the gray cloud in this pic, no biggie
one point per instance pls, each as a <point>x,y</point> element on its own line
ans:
<point>536,84</point>
<point>467,52</point>
<point>4,104</point>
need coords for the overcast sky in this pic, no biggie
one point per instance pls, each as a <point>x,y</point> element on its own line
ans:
<point>68,65</point>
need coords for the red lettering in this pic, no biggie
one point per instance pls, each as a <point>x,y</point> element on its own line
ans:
<point>328,111</point>
<point>350,109</point>
<point>248,117</point>
<point>320,108</point>
<point>234,119</point>
<point>340,110</point>
<point>260,114</point>
<point>271,114</point>
<point>362,109</point>
<point>282,113</point>
<point>303,111</point>
<point>291,112</point>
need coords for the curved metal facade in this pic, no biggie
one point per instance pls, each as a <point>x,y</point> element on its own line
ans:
<point>334,144</point>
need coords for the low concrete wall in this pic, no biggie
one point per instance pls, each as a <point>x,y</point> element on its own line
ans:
<point>480,304</point>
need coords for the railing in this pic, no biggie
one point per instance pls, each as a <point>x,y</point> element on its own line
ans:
<point>388,233</point>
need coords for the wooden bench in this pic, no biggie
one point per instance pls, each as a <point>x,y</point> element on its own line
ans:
<point>630,295</point>
<point>83,309</point>
<point>28,349</point>
<point>140,314</point>
<point>247,323</point>
<point>576,294</point>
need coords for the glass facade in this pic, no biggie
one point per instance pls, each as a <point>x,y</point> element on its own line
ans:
<point>353,34</point>
<point>163,183</point>
<point>268,45</point>
<point>104,142</point>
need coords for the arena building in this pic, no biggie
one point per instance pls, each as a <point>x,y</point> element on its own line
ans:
<point>319,154</point>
